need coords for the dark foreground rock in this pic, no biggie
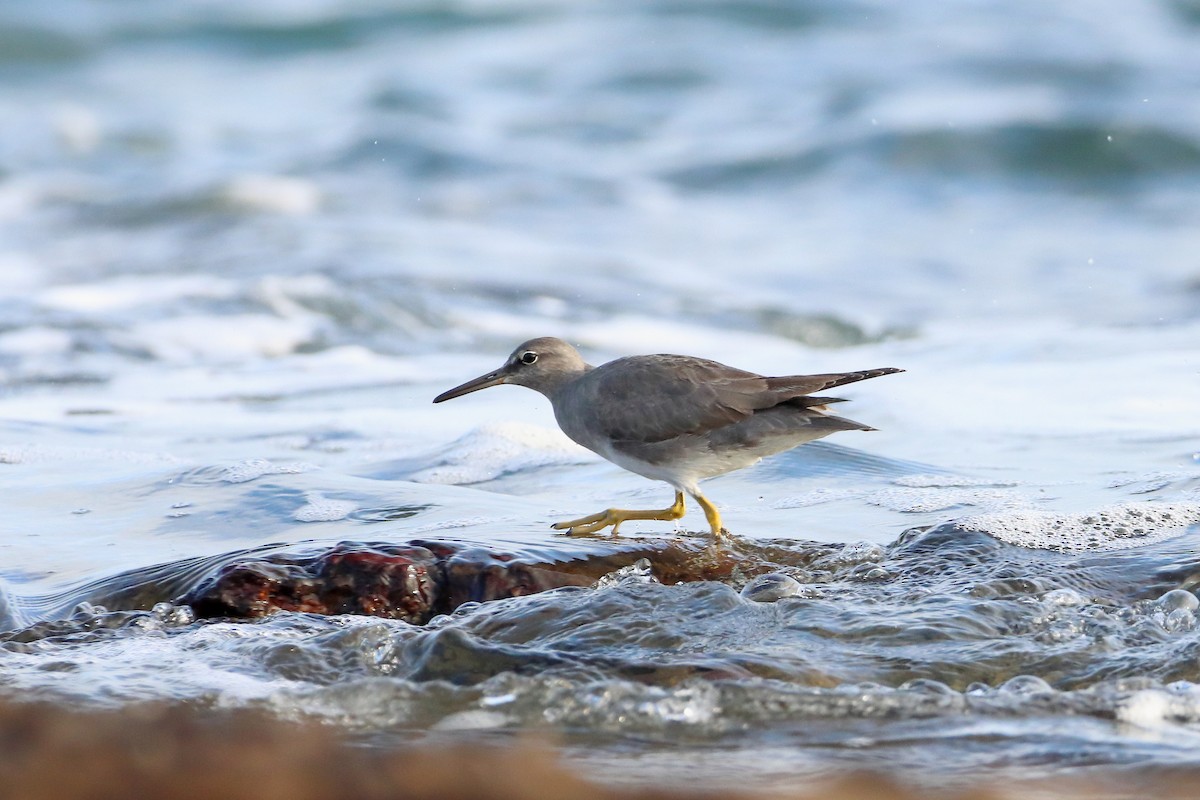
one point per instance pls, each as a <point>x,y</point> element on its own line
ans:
<point>173,752</point>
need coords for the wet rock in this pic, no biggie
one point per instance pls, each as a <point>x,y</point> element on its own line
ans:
<point>417,581</point>
<point>476,575</point>
<point>398,582</point>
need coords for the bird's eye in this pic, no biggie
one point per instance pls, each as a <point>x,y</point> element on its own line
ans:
<point>528,357</point>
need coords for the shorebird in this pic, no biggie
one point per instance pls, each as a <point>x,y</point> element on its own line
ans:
<point>671,418</point>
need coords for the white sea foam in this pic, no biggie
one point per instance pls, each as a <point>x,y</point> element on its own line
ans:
<point>1159,708</point>
<point>200,662</point>
<point>128,292</point>
<point>219,338</point>
<point>998,385</point>
<point>815,498</point>
<point>272,193</point>
<point>496,449</point>
<point>18,272</point>
<point>35,341</point>
<point>1114,528</point>
<point>1147,482</point>
<point>319,508</point>
<point>928,499</point>
<point>78,128</point>
<point>49,453</point>
<point>492,521</point>
<point>254,468</point>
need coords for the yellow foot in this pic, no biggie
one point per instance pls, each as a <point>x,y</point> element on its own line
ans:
<point>711,513</point>
<point>615,516</point>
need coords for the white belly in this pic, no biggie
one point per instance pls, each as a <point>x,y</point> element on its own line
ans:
<point>694,464</point>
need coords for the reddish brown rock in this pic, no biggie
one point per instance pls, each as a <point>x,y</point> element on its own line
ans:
<point>395,581</point>
<point>418,580</point>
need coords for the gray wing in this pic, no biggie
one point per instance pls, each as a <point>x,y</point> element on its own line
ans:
<point>655,398</point>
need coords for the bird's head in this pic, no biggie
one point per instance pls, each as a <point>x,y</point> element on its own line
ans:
<point>543,365</point>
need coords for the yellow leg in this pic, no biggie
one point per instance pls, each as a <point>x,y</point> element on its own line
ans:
<point>710,512</point>
<point>615,516</point>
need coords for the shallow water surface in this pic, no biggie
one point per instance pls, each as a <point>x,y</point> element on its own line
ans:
<point>243,247</point>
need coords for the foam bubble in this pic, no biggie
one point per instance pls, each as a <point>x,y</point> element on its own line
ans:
<point>1148,482</point>
<point>1177,599</point>
<point>464,522</point>
<point>851,554</point>
<point>771,587</point>
<point>1150,708</point>
<point>1178,621</point>
<point>923,500</point>
<point>637,572</point>
<point>251,469</point>
<point>1115,528</point>
<point>1063,598</point>
<point>173,615</point>
<point>498,449</point>
<point>42,454</point>
<point>323,509</point>
<point>1026,685</point>
<point>814,498</point>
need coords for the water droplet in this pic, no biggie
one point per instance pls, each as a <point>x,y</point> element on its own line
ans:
<point>172,614</point>
<point>1063,598</point>
<point>1181,619</point>
<point>1026,684</point>
<point>771,587</point>
<point>1178,599</point>
<point>637,572</point>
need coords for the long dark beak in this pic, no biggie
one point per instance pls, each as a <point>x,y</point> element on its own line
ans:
<point>482,382</point>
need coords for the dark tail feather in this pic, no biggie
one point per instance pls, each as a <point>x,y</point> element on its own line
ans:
<point>832,423</point>
<point>812,401</point>
<point>861,375</point>
<point>807,384</point>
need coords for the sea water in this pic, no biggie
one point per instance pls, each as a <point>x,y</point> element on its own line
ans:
<point>243,246</point>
